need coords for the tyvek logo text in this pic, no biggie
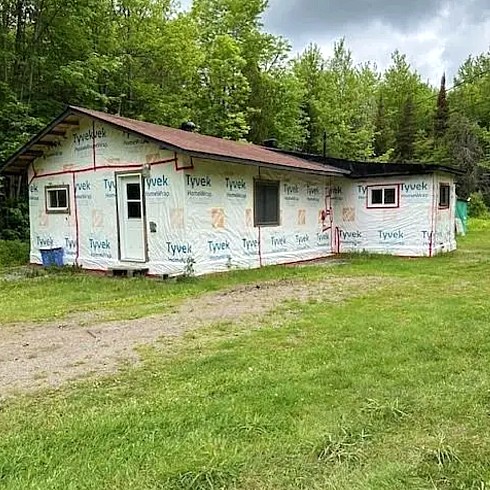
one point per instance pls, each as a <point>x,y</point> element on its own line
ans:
<point>198,186</point>
<point>100,247</point>
<point>178,252</point>
<point>219,249</point>
<point>251,247</point>
<point>85,141</point>
<point>236,188</point>
<point>291,192</point>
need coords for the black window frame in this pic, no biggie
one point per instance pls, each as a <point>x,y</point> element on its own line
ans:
<point>134,202</point>
<point>443,203</point>
<point>57,188</point>
<point>260,184</point>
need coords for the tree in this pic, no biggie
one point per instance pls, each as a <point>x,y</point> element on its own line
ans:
<point>398,83</point>
<point>442,112</point>
<point>406,134</point>
<point>348,105</point>
<point>464,151</point>
<point>472,84</point>
<point>224,90</point>
<point>339,99</point>
<point>308,69</point>
<point>16,125</point>
<point>381,143</point>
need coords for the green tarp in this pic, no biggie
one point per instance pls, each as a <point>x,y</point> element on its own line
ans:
<point>461,216</point>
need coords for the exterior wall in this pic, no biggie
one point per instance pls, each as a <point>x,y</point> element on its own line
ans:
<point>444,236</point>
<point>87,160</point>
<point>198,216</point>
<point>219,218</point>
<point>415,228</point>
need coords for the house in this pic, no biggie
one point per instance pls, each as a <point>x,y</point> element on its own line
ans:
<point>112,193</point>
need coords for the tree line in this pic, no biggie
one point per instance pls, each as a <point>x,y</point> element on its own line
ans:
<point>216,65</point>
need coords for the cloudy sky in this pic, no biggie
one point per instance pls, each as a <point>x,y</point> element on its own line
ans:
<point>436,35</point>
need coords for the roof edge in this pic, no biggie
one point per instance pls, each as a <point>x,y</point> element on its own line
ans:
<point>35,138</point>
<point>411,168</point>
<point>213,156</point>
<point>74,110</point>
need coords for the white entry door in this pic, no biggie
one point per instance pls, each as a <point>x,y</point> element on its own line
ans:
<point>132,239</point>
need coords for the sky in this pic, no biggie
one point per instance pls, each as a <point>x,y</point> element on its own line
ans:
<point>436,35</point>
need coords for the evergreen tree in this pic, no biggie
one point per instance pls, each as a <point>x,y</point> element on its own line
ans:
<point>406,134</point>
<point>465,152</point>
<point>442,112</point>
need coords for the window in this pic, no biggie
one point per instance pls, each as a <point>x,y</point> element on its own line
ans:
<point>444,195</point>
<point>266,203</point>
<point>57,199</point>
<point>383,197</point>
<point>133,193</point>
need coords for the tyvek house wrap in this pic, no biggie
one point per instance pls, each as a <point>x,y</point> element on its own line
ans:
<point>199,218</point>
<point>416,227</point>
<point>219,218</point>
<point>88,234</point>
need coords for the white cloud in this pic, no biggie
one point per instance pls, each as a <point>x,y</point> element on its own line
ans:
<point>437,44</point>
<point>436,35</point>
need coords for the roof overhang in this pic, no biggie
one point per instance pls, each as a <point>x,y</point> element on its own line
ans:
<point>36,146</point>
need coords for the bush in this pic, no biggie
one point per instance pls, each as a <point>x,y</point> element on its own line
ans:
<point>477,207</point>
<point>14,220</point>
<point>13,253</point>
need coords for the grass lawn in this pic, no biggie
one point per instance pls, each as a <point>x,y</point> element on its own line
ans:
<point>386,390</point>
<point>59,294</point>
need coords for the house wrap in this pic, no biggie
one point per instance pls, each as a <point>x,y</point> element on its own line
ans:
<point>112,192</point>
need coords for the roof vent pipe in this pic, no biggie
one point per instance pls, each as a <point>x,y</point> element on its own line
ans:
<point>270,143</point>
<point>188,126</point>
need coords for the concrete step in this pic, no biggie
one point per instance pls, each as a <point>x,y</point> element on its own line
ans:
<point>128,271</point>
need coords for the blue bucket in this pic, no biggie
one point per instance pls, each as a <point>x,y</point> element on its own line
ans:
<point>52,256</point>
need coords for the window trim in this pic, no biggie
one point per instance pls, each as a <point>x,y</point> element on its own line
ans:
<point>383,187</point>
<point>448,205</point>
<point>270,183</point>
<point>50,210</point>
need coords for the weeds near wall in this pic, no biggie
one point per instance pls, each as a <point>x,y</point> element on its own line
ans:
<point>189,270</point>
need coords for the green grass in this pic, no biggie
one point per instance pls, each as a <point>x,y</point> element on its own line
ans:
<point>387,390</point>
<point>61,293</point>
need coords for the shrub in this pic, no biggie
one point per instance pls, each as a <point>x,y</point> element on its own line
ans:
<point>13,253</point>
<point>14,220</point>
<point>477,207</point>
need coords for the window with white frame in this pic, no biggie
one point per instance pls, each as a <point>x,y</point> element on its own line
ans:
<point>57,199</point>
<point>444,195</point>
<point>385,196</point>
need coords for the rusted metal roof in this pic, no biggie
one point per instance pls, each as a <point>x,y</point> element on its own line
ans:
<point>204,146</point>
<point>193,144</point>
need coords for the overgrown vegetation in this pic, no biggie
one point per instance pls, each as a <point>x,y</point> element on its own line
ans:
<point>477,207</point>
<point>385,390</point>
<point>14,219</point>
<point>13,253</point>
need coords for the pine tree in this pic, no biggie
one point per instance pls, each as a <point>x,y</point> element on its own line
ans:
<point>405,137</point>
<point>442,112</point>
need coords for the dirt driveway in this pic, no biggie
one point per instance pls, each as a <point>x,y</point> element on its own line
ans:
<point>48,355</point>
